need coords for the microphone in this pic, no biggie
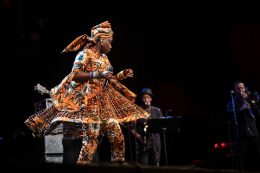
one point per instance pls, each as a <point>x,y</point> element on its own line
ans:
<point>231,92</point>
<point>106,82</point>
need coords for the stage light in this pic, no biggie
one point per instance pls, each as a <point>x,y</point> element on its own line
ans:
<point>216,145</point>
<point>223,144</point>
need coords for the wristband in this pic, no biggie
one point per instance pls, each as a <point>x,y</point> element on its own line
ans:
<point>95,75</point>
<point>121,76</point>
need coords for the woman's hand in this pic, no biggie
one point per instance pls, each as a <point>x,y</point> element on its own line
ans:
<point>128,73</point>
<point>106,74</point>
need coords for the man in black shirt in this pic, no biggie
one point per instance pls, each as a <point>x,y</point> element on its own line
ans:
<point>151,147</point>
<point>247,130</point>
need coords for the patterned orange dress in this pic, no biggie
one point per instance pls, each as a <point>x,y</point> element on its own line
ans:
<point>75,103</point>
<point>83,108</point>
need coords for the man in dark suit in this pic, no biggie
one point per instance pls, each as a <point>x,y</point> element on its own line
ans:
<point>248,136</point>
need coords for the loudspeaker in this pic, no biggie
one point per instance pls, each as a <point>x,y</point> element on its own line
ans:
<point>52,144</point>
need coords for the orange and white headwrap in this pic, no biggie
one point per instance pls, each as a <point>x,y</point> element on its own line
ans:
<point>99,32</point>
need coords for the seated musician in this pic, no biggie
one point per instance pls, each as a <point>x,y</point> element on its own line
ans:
<point>151,147</point>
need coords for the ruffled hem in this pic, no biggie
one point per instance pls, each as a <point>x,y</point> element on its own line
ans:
<point>100,109</point>
<point>61,124</point>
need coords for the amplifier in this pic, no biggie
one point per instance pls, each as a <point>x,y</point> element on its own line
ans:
<point>52,144</point>
<point>53,158</point>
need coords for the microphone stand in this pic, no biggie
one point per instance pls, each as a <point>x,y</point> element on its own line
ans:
<point>148,138</point>
<point>236,127</point>
<point>130,143</point>
<point>136,147</point>
<point>164,139</point>
<point>231,150</point>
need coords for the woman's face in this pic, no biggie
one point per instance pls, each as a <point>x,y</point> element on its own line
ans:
<point>106,47</point>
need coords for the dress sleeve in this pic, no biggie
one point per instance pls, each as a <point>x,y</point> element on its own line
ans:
<point>80,63</point>
<point>67,95</point>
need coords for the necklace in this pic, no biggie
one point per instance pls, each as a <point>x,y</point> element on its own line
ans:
<point>95,51</point>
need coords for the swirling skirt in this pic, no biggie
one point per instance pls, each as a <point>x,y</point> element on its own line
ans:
<point>107,105</point>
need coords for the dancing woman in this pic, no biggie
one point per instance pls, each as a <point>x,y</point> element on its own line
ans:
<point>81,107</point>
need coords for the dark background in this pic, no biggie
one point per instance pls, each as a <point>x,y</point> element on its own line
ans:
<point>189,53</point>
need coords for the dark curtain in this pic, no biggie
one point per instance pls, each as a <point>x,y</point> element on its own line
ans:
<point>188,53</point>
<point>244,42</point>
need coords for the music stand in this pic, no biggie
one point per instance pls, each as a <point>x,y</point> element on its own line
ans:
<point>160,125</point>
<point>173,124</point>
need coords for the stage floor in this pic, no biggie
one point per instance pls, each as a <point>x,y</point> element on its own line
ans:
<point>113,167</point>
